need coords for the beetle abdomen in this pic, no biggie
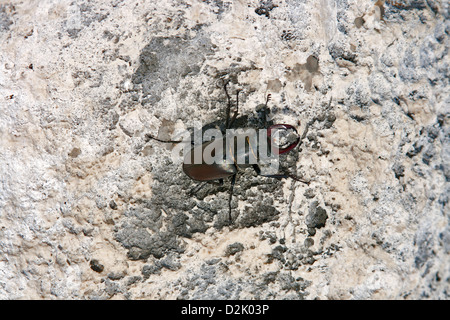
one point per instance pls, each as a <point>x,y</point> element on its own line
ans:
<point>208,172</point>
<point>204,171</point>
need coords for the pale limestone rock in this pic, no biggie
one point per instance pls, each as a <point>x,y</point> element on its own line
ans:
<point>90,207</point>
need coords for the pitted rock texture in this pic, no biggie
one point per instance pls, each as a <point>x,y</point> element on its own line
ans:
<point>92,208</point>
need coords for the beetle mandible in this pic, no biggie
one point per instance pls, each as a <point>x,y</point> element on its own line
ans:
<point>204,172</point>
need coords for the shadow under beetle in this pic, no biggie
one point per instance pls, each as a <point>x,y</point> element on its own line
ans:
<point>204,172</point>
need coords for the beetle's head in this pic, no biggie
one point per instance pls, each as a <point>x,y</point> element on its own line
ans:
<point>282,138</point>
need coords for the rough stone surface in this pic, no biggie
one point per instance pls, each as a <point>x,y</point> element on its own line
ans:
<point>92,208</point>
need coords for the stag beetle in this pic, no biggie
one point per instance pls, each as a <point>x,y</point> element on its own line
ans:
<point>205,172</point>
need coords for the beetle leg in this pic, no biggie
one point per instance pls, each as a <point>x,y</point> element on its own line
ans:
<point>285,176</point>
<point>279,176</point>
<point>197,188</point>
<point>257,169</point>
<point>201,185</point>
<point>229,122</point>
<point>149,136</point>
<point>237,110</point>
<point>233,180</point>
<point>296,178</point>
<point>265,112</point>
<point>219,183</point>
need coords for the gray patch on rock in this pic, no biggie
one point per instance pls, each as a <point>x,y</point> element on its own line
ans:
<point>5,19</point>
<point>317,216</point>
<point>165,60</point>
<point>234,248</point>
<point>85,16</point>
<point>424,242</point>
<point>340,49</point>
<point>298,285</point>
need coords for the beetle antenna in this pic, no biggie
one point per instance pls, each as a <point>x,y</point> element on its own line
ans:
<point>227,121</point>
<point>149,136</point>
<point>269,96</point>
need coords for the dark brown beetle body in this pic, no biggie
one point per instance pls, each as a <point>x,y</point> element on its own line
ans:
<point>224,168</point>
